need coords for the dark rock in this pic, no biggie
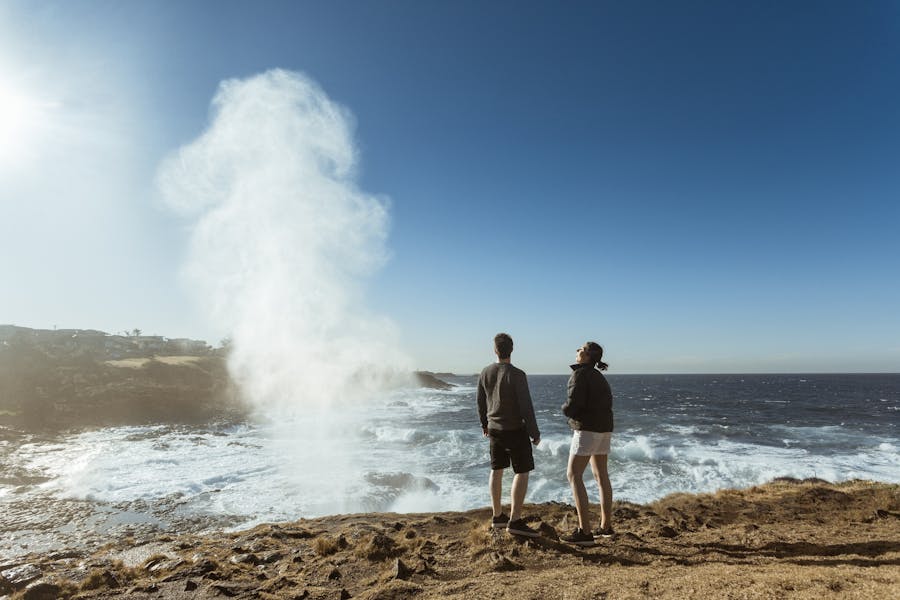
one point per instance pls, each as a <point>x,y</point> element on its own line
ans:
<point>334,574</point>
<point>110,580</point>
<point>423,568</point>
<point>244,559</point>
<point>19,577</point>
<point>271,557</point>
<point>501,563</point>
<point>548,531</point>
<point>203,567</point>
<point>228,589</point>
<point>62,555</point>
<point>379,547</point>
<point>190,585</point>
<point>666,532</point>
<point>345,595</point>
<point>401,571</point>
<point>625,512</point>
<point>42,591</point>
<point>426,379</point>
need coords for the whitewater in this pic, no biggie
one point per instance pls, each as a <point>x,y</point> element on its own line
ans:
<point>416,450</point>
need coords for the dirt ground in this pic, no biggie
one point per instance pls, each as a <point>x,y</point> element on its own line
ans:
<point>785,539</point>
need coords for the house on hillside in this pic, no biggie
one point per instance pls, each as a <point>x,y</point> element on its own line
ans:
<point>150,344</point>
<point>187,346</point>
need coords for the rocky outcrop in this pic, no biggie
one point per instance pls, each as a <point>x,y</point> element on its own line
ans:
<point>776,540</point>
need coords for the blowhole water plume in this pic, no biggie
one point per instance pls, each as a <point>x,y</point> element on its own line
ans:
<point>282,242</point>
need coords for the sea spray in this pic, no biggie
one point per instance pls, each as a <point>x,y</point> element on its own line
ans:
<point>282,242</point>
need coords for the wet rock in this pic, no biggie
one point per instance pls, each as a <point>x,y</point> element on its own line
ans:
<point>401,571</point>
<point>19,577</point>
<point>42,591</point>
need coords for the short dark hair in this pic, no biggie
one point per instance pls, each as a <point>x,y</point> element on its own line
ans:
<point>503,344</point>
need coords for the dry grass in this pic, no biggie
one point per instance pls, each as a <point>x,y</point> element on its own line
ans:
<point>116,576</point>
<point>780,540</point>
<point>325,546</point>
<point>138,363</point>
<point>378,547</point>
<point>479,540</point>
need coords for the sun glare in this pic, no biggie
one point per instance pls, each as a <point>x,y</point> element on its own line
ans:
<point>19,119</point>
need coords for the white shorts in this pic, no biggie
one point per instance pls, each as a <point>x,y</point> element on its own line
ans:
<point>588,443</point>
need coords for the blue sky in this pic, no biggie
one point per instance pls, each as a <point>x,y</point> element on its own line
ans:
<point>698,186</point>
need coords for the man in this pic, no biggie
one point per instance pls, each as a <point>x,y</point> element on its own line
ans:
<point>507,418</point>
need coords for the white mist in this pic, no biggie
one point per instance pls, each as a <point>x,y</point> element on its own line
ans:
<point>282,243</point>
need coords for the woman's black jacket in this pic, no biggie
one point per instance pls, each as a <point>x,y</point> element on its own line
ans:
<point>589,403</point>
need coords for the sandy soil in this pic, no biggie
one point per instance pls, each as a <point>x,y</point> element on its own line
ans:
<point>786,539</point>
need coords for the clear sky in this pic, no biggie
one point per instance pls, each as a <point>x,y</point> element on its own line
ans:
<point>698,186</point>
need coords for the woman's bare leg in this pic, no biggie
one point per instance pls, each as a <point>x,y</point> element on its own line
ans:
<point>598,466</point>
<point>575,473</point>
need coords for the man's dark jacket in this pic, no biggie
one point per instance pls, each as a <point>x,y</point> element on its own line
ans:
<point>589,405</point>
<point>504,402</point>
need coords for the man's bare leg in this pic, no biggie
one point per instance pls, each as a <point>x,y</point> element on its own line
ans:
<point>519,487</point>
<point>496,485</point>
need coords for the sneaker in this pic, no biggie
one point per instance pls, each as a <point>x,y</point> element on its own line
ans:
<point>520,527</point>
<point>500,522</point>
<point>579,537</point>
<point>604,533</point>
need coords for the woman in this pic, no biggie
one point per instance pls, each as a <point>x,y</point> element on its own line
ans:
<point>589,409</point>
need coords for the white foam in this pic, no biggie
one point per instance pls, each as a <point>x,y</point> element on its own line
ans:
<point>414,457</point>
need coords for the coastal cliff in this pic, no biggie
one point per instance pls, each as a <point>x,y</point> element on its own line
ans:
<point>83,378</point>
<point>786,539</point>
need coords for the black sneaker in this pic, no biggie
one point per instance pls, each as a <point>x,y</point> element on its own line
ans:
<point>520,527</point>
<point>578,537</point>
<point>500,522</point>
<point>604,533</point>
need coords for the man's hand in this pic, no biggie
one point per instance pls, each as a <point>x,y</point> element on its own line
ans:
<point>536,441</point>
<point>484,431</point>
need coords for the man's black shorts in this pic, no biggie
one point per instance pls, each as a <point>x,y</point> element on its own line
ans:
<point>514,446</point>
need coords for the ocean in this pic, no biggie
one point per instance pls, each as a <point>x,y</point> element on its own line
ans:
<point>419,450</point>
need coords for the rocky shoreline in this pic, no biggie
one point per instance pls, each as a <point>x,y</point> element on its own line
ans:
<point>785,539</point>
